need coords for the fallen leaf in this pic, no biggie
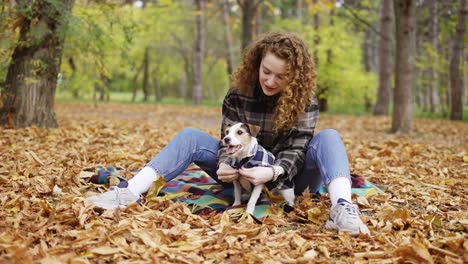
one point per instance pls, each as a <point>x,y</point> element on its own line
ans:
<point>105,250</point>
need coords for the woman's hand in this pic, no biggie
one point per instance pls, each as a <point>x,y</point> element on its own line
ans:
<point>257,175</point>
<point>227,173</point>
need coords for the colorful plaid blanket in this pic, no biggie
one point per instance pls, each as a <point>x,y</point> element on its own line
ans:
<point>203,194</point>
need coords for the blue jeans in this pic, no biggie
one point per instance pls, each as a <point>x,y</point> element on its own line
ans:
<point>326,158</point>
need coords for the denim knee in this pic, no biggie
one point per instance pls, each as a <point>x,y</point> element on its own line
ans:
<point>188,133</point>
<point>328,134</point>
<point>327,154</point>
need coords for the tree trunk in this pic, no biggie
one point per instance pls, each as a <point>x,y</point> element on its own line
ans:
<point>385,57</point>
<point>32,74</point>
<point>402,118</point>
<point>199,46</point>
<point>211,92</point>
<point>316,20</point>
<point>258,21</point>
<point>157,89</point>
<point>228,38</point>
<point>146,75</point>
<point>249,10</point>
<point>135,84</point>
<point>321,91</point>
<point>71,61</point>
<point>298,9</point>
<point>433,74</point>
<point>366,50</point>
<point>307,13</point>
<point>370,43</point>
<point>188,65</point>
<point>456,81</point>
<point>419,87</point>
<point>104,88</point>
<point>183,86</point>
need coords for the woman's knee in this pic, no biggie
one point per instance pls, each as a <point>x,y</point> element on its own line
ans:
<point>328,136</point>
<point>189,132</point>
<point>195,138</point>
<point>328,133</point>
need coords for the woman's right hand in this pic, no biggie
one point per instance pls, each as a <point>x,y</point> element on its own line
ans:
<point>227,173</point>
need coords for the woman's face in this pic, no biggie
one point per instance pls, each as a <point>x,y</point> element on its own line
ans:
<point>272,74</point>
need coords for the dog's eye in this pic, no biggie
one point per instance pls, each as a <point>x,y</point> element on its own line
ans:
<point>240,132</point>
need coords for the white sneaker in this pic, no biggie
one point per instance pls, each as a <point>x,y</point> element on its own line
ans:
<point>117,197</point>
<point>344,217</point>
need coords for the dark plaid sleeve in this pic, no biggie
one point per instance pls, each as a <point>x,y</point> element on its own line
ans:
<point>230,115</point>
<point>291,156</point>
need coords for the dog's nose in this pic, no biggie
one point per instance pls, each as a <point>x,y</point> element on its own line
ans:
<point>227,140</point>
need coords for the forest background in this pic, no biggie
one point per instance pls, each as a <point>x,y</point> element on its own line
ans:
<point>184,51</point>
<point>117,79</point>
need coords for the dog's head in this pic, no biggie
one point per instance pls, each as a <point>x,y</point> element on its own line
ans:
<point>239,139</point>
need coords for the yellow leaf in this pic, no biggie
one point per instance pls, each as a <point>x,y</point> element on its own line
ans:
<point>147,239</point>
<point>156,187</point>
<point>415,252</point>
<point>298,240</point>
<point>35,157</point>
<point>310,254</point>
<point>313,215</point>
<point>361,200</point>
<point>105,250</point>
<point>272,197</point>
<point>184,246</point>
<point>14,209</point>
<point>225,219</point>
<point>85,174</point>
<point>465,159</point>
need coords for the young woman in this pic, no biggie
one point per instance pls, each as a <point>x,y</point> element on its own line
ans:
<point>273,89</point>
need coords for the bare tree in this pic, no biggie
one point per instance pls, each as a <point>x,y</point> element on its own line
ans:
<point>385,57</point>
<point>456,81</point>
<point>157,88</point>
<point>259,21</point>
<point>146,60</point>
<point>228,38</point>
<point>32,74</point>
<point>298,9</point>
<point>321,90</point>
<point>184,53</point>
<point>249,10</point>
<point>402,119</point>
<point>316,22</point>
<point>433,86</point>
<point>199,49</point>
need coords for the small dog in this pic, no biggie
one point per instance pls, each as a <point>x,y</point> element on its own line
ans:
<point>240,142</point>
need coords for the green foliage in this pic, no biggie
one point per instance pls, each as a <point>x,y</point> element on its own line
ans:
<point>343,73</point>
<point>108,40</point>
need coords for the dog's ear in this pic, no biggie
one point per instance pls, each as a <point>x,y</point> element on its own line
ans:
<point>226,126</point>
<point>253,130</point>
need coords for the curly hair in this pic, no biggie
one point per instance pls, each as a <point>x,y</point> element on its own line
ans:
<point>300,72</point>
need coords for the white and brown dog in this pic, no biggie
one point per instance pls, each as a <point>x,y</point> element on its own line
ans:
<point>240,142</point>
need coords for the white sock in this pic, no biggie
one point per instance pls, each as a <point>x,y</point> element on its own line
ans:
<point>339,188</point>
<point>142,181</point>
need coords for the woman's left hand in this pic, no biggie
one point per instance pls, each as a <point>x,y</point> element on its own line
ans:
<point>257,175</point>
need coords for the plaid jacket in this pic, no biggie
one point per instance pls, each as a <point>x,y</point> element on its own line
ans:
<point>259,156</point>
<point>257,109</point>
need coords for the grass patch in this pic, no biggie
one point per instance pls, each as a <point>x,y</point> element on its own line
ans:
<point>126,98</point>
<point>334,108</point>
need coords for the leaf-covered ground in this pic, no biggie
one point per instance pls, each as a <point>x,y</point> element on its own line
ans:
<point>421,218</point>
